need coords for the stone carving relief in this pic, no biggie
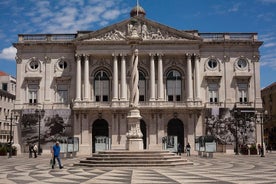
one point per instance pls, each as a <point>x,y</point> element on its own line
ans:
<point>137,29</point>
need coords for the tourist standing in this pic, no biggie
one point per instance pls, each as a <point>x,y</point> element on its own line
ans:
<point>188,149</point>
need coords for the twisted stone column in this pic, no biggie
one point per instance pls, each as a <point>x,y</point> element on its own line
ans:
<point>134,91</point>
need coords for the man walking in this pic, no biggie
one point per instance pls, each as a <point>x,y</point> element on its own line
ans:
<point>56,152</point>
<point>35,149</point>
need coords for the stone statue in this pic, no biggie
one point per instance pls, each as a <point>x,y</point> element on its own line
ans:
<point>134,91</point>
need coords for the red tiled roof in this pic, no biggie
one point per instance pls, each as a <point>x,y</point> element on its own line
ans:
<point>3,73</point>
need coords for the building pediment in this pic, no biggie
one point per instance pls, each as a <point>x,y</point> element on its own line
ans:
<point>138,27</point>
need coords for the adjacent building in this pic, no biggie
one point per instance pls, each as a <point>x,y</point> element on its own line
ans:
<point>7,98</point>
<point>190,84</point>
<point>269,103</point>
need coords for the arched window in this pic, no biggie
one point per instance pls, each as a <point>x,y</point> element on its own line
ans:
<point>101,86</point>
<point>174,85</point>
<point>142,86</point>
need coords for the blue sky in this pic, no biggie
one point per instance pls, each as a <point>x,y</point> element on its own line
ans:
<point>69,16</point>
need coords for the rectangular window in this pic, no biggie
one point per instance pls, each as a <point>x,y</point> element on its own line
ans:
<point>32,95</point>
<point>174,90</point>
<point>242,93</point>
<point>62,93</point>
<point>213,93</point>
<point>142,89</point>
<point>102,90</point>
<point>5,86</point>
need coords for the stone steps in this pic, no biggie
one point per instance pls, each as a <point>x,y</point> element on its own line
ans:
<point>133,159</point>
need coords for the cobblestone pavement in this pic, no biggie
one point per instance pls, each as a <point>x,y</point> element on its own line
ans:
<point>220,169</point>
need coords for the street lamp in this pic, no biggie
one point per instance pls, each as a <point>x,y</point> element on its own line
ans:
<point>237,114</point>
<point>262,132</point>
<point>39,113</point>
<point>11,137</point>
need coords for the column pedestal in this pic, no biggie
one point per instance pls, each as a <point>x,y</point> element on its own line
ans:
<point>134,136</point>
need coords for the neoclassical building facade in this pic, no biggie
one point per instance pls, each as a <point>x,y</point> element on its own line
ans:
<point>184,76</point>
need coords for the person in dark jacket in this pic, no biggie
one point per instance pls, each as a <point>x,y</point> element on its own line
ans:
<point>188,149</point>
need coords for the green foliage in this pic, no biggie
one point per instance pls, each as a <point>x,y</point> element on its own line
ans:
<point>29,120</point>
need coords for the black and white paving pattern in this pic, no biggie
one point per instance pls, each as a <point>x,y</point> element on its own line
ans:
<point>220,169</point>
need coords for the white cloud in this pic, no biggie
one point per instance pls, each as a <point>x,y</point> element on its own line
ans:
<point>70,16</point>
<point>270,45</point>
<point>8,53</point>
<point>235,8</point>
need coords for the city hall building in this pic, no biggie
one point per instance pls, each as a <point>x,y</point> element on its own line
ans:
<point>190,84</point>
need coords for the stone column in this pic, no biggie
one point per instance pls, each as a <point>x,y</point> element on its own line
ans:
<point>197,82</point>
<point>189,78</point>
<point>134,134</point>
<point>19,80</point>
<point>160,78</point>
<point>123,79</point>
<point>78,79</point>
<point>152,78</point>
<point>115,78</point>
<point>47,75</point>
<point>86,77</point>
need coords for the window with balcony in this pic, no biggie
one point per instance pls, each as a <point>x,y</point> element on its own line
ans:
<point>32,93</point>
<point>142,86</point>
<point>174,86</point>
<point>101,86</point>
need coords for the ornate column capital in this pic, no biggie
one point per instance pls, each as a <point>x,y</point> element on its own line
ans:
<point>18,59</point>
<point>188,55</point>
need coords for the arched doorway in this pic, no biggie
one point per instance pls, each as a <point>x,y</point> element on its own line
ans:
<point>143,128</point>
<point>176,128</point>
<point>99,128</point>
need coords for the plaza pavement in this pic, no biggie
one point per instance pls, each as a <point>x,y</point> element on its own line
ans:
<point>220,169</point>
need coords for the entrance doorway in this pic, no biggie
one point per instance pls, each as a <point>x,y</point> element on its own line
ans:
<point>99,128</point>
<point>143,128</point>
<point>176,128</point>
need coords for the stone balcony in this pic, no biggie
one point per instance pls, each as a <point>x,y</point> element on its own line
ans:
<point>85,105</point>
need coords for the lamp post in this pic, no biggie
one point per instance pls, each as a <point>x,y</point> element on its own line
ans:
<point>39,113</point>
<point>237,113</point>
<point>11,137</point>
<point>262,132</point>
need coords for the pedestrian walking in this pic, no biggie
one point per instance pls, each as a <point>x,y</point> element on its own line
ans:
<point>35,149</point>
<point>179,149</point>
<point>259,149</point>
<point>56,153</point>
<point>31,150</point>
<point>188,149</point>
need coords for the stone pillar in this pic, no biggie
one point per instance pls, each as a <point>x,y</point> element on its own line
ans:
<point>47,76</point>
<point>123,79</point>
<point>115,78</point>
<point>160,78</point>
<point>134,134</point>
<point>78,79</point>
<point>197,81</point>
<point>152,78</point>
<point>189,78</point>
<point>19,79</point>
<point>86,77</point>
